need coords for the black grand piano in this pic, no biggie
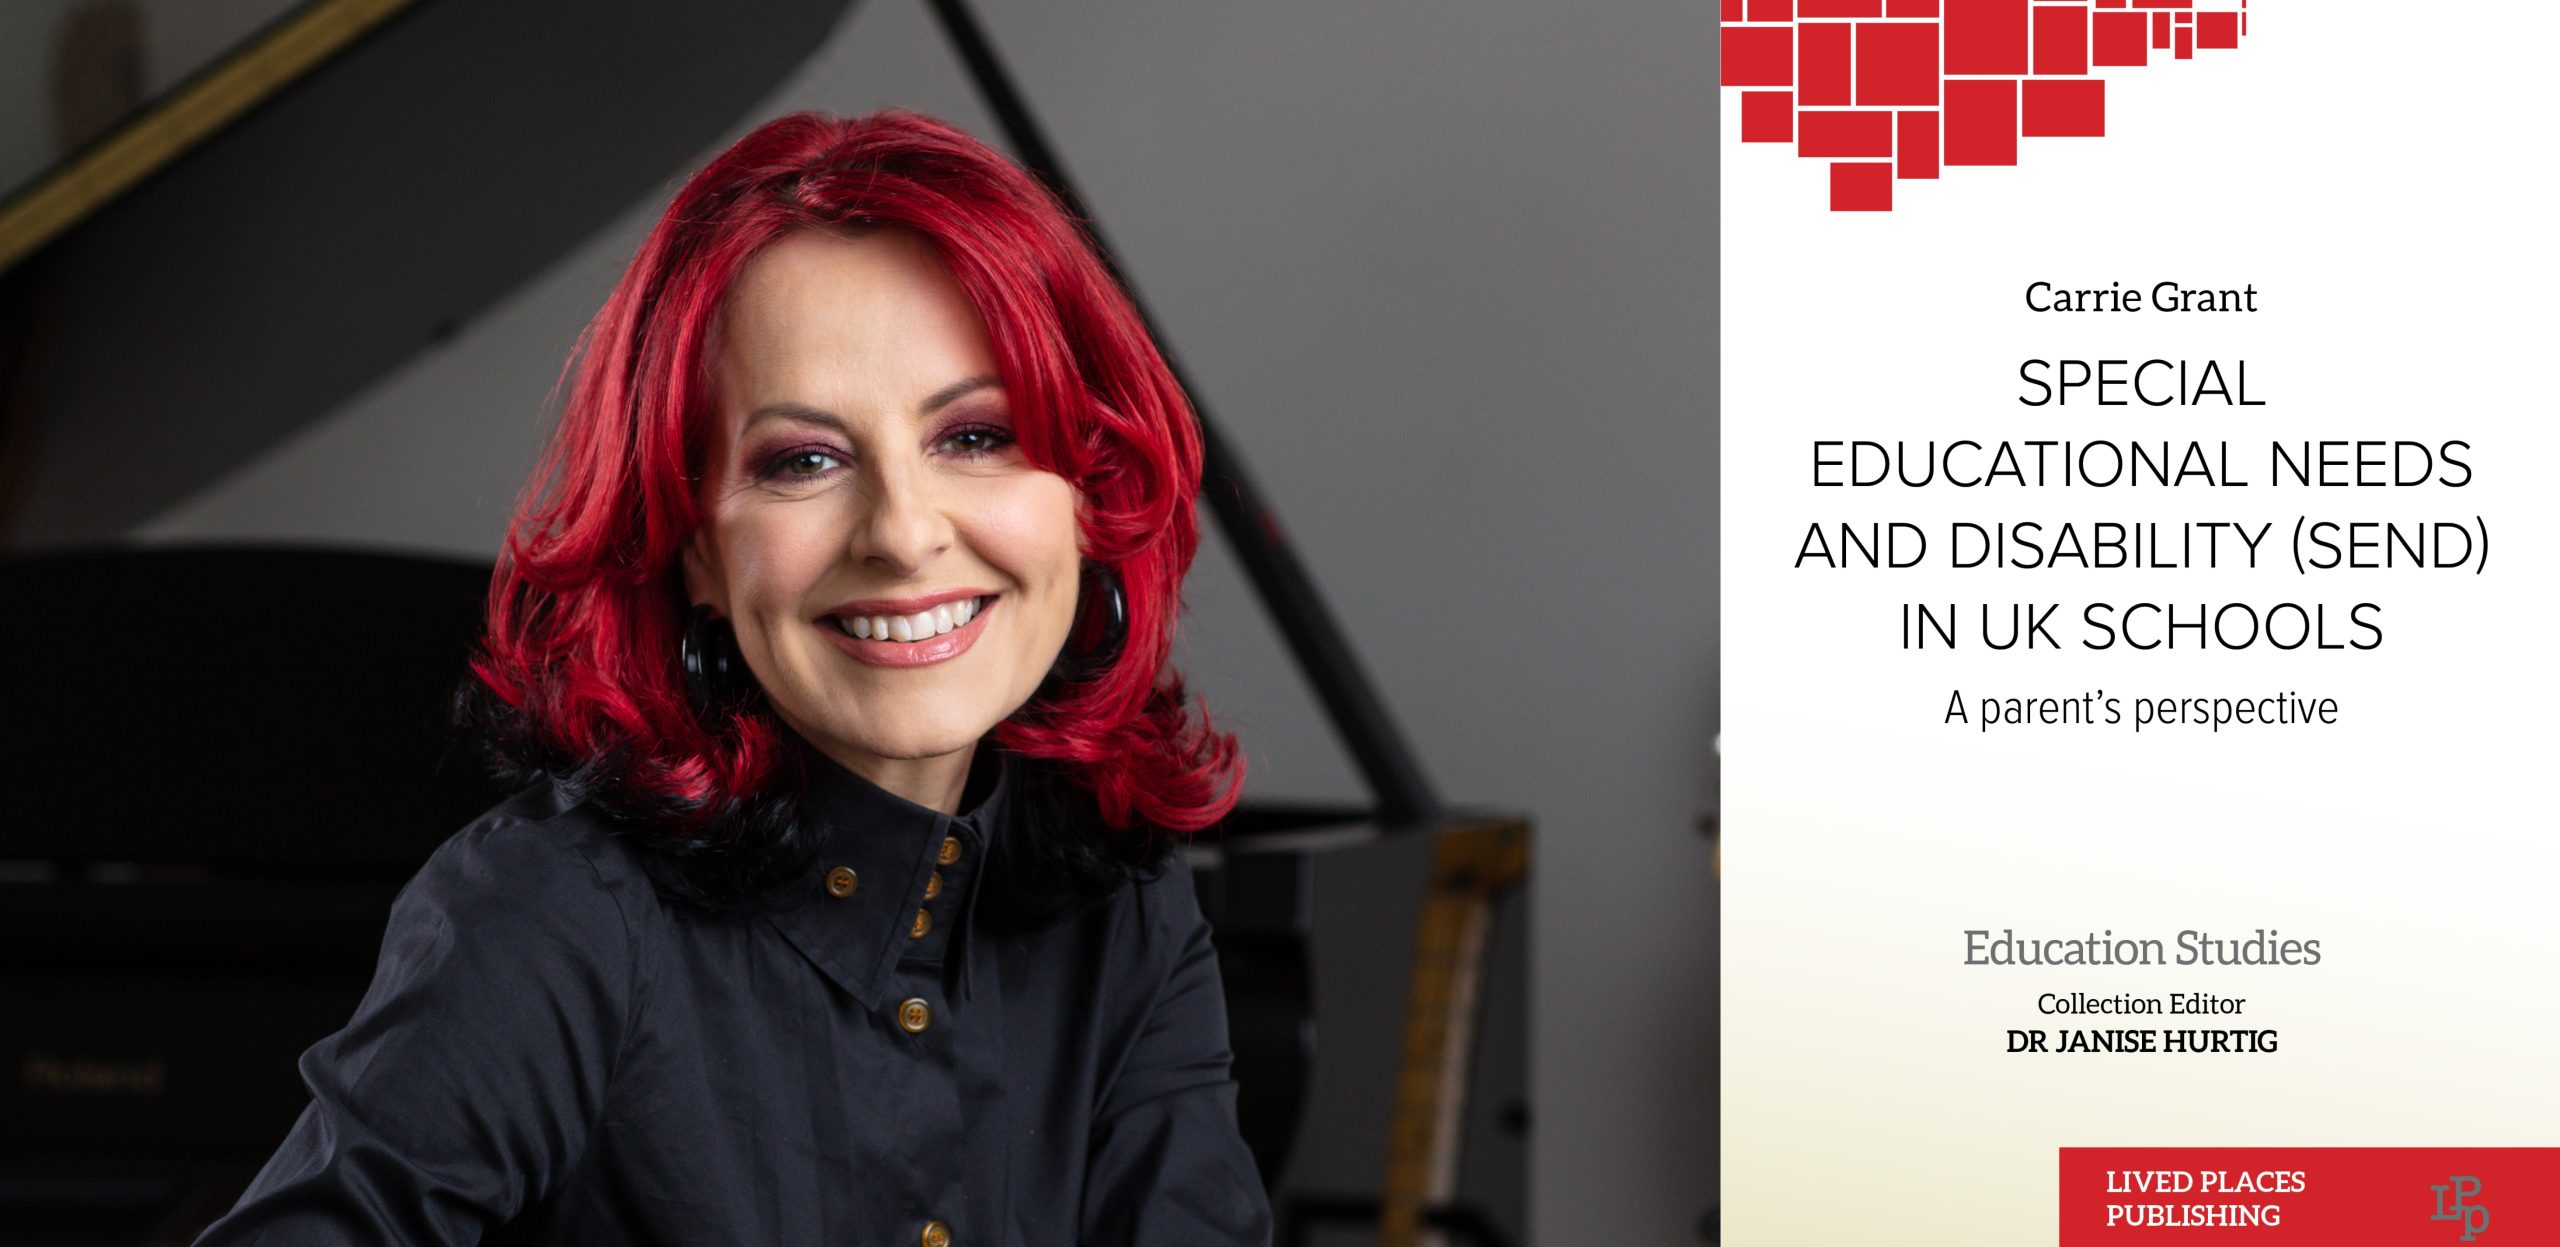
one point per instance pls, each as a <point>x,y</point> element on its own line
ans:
<point>222,762</point>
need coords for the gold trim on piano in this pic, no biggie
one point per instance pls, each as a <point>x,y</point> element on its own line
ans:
<point>1474,864</point>
<point>184,118</point>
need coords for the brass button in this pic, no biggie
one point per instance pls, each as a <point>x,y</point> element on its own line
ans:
<point>914,1015</point>
<point>936,1234</point>
<point>933,886</point>
<point>842,881</point>
<point>950,853</point>
<point>924,923</point>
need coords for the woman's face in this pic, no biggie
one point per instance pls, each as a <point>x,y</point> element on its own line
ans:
<point>899,577</point>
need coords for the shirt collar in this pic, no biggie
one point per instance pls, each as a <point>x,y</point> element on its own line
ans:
<point>890,844</point>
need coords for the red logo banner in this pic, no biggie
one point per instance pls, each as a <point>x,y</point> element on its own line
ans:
<point>2330,1196</point>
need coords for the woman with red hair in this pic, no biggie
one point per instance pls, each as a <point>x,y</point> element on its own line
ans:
<point>830,643</point>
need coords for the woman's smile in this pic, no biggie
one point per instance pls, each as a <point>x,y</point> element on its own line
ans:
<point>910,632</point>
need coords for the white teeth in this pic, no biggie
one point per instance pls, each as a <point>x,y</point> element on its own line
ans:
<point>923,625</point>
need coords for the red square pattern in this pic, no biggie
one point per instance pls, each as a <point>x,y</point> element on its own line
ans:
<point>1822,63</point>
<point>1982,122</point>
<point>1759,56</point>
<point>2118,39</point>
<point>1856,82</point>
<point>2062,39</point>
<point>1897,62</point>
<point>1843,133</point>
<point>1915,145</point>
<point>2065,108</point>
<point>1986,36</point>
<point>1768,117</point>
<point>1861,188</point>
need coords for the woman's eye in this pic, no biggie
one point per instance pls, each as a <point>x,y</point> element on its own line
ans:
<point>977,440</point>
<point>801,464</point>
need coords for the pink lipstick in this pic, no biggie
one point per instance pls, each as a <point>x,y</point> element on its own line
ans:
<point>909,632</point>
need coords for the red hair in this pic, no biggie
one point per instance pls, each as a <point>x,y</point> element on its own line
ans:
<point>586,606</point>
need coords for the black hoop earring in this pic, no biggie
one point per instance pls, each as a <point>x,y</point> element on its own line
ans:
<point>1110,605</point>
<point>715,674</point>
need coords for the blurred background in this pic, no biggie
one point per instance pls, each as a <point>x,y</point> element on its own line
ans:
<point>1442,275</point>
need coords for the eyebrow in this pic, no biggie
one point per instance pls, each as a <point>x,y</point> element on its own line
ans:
<point>802,413</point>
<point>798,413</point>
<point>955,391</point>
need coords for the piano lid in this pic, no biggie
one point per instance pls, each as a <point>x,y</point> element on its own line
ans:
<point>394,187</point>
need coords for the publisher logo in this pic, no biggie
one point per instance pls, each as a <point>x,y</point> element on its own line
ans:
<point>2474,1218</point>
<point>2309,1196</point>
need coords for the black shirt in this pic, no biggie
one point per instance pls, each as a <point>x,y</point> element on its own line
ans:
<point>551,1053</point>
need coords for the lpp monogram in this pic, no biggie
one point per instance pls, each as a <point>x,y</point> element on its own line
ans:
<point>2473,1217</point>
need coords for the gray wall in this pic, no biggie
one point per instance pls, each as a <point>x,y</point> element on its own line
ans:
<point>1445,273</point>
